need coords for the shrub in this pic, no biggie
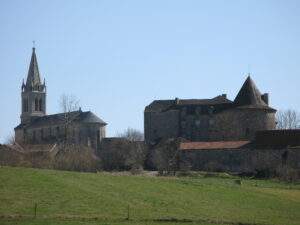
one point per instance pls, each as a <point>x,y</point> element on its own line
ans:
<point>122,154</point>
<point>288,174</point>
<point>76,158</point>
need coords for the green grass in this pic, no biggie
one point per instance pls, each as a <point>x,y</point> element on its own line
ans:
<point>72,198</point>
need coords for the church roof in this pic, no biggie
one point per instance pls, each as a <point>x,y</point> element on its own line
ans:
<point>250,97</point>
<point>60,118</point>
<point>33,76</point>
<point>89,117</point>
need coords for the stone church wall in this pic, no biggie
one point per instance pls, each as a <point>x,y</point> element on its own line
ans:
<point>86,134</point>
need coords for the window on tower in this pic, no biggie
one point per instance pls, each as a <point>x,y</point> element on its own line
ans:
<point>40,105</point>
<point>25,105</point>
<point>36,104</point>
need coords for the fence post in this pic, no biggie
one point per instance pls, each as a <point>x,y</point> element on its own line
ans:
<point>128,213</point>
<point>35,208</point>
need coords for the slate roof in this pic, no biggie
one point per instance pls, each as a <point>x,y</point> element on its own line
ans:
<point>33,77</point>
<point>213,145</point>
<point>60,118</point>
<point>159,105</point>
<point>213,101</point>
<point>250,97</point>
<point>163,105</point>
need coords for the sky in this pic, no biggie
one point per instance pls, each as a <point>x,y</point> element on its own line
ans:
<point>117,57</point>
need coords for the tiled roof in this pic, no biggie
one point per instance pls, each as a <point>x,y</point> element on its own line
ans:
<point>212,145</point>
<point>60,118</point>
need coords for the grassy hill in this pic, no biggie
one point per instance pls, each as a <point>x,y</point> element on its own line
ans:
<point>101,198</point>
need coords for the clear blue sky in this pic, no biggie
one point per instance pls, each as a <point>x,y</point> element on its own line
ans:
<point>118,56</point>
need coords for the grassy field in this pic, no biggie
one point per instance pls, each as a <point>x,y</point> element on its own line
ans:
<point>71,198</point>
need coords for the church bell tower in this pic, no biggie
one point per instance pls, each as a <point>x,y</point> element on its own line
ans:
<point>33,93</point>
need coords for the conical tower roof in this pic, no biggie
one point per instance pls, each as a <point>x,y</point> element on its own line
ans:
<point>249,94</point>
<point>33,77</point>
<point>250,97</point>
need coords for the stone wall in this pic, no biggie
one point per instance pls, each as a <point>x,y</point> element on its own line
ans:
<point>240,124</point>
<point>161,125</point>
<point>230,124</point>
<point>241,160</point>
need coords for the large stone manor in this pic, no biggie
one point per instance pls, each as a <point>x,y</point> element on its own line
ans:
<point>216,119</point>
<point>36,127</point>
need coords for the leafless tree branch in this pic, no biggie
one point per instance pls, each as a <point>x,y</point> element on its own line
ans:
<point>132,135</point>
<point>288,119</point>
<point>68,103</point>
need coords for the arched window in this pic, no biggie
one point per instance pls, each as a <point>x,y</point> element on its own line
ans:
<point>25,105</point>
<point>40,104</point>
<point>36,104</point>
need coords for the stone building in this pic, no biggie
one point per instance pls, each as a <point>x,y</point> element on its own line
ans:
<point>216,119</point>
<point>37,127</point>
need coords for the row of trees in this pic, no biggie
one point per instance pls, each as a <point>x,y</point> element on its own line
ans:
<point>288,119</point>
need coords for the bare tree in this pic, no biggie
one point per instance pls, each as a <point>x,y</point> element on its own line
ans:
<point>10,139</point>
<point>166,156</point>
<point>288,119</point>
<point>136,150</point>
<point>68,103</point>
<point>132,135</point>
<point>122,154</point>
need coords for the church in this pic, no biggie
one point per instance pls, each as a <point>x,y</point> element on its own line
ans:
<point>36,127</point>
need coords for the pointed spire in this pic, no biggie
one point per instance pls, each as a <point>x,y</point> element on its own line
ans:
<point>249,94</point>
<point>23,85</point>
<point>33,77</point>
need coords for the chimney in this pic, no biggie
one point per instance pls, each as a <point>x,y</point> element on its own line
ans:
<point>224,95</point>
<point>176,101</point>
<point>265,98</point>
